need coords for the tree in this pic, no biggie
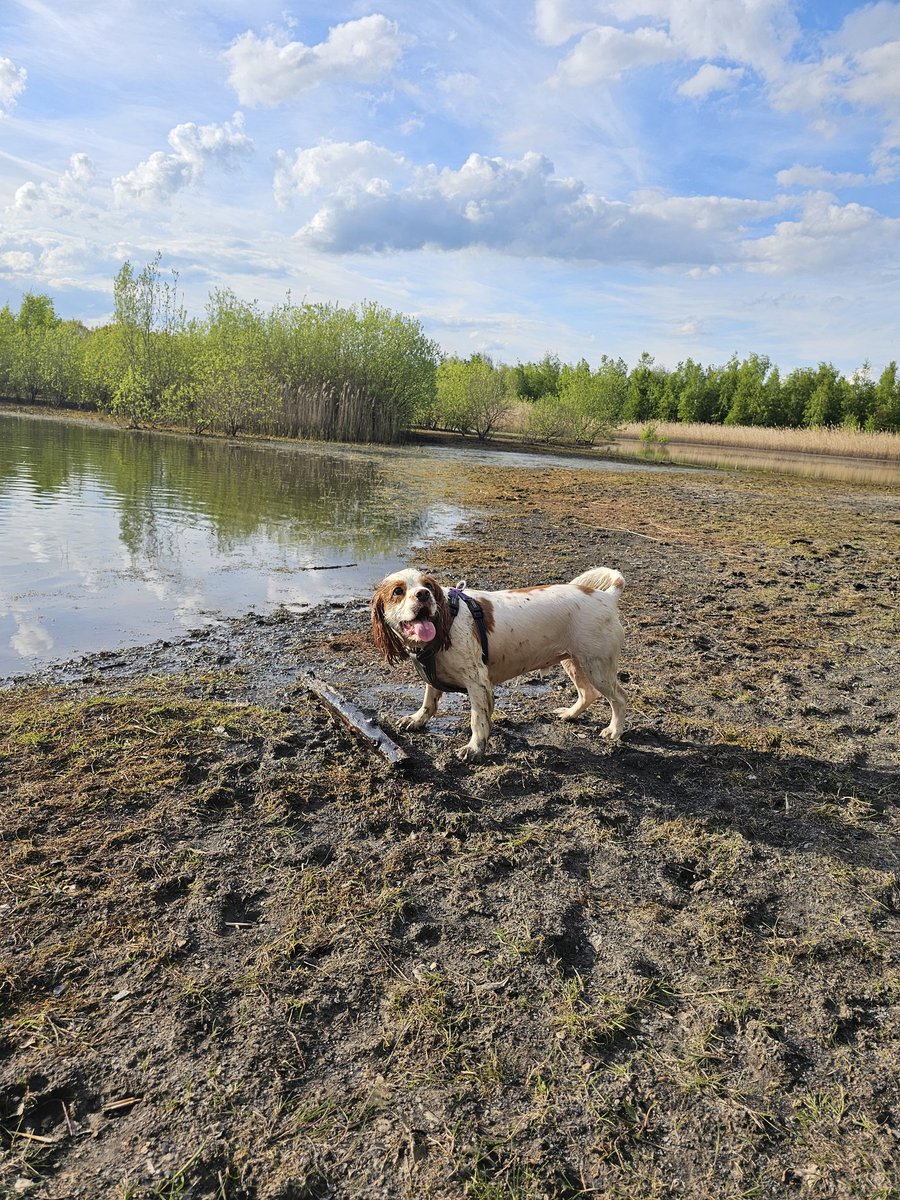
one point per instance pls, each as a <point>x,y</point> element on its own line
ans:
<point>234,385</point>
<point>748,401</point>
<point>886,406</point>
<point>148,318</point>
<point>35,319</point>
<point>645,387</point>
<point>533,380</point>
<point>826,402</point>
<point>472,395</point>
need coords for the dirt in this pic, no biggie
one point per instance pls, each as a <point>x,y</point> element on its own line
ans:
<point>246,958</point>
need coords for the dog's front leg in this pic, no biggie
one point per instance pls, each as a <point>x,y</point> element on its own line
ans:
<point>481,698</point>
<point>420,718</point>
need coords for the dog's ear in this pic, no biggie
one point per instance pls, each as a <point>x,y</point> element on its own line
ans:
<point>442,620</point>
<point>385,638</point>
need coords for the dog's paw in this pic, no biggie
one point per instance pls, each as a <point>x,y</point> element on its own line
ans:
<point>609,735</point>
<point>470,753</point>
<point>565,714</point>
<point>411,722</point>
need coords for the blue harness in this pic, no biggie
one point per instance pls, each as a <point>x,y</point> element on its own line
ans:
<point>424,660</point>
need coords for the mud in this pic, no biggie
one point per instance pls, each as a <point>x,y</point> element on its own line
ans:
<point>244,957</point>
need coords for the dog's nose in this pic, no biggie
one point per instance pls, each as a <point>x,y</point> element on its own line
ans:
<point>423,594</point>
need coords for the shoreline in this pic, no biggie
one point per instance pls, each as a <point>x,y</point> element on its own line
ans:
<point>500,441</point>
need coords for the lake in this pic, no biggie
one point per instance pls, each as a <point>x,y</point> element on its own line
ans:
<point>113,537</point>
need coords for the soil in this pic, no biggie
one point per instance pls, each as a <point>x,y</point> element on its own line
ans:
<point>244,957</point>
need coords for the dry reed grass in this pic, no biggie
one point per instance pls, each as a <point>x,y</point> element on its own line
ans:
<point>849,443</point>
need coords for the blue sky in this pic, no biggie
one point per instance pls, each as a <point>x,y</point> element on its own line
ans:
<point>686,177</point>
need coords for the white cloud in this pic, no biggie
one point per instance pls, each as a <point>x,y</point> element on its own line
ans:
<point>16,262</point>
<point>63,196</point>
<point>826,236</point>
<point>556,21</point>
<point>877,79</point>
<point>757,34</point>
<point>606,52</point>
<point>711,79</point>
<point>196,148</point>
<point>12,84</point>
<point>269,71</point>
<point>818,177</point>
<point>333,165</point>
<point>521,207</point>
<point>861,69</point>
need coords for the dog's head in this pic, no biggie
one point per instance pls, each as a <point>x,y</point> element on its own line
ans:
<point>409,612</point>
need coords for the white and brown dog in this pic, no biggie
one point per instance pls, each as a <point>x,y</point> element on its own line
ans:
<point>523,629</point>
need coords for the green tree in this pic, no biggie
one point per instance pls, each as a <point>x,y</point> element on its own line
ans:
<point>827,400</point>
<point>148,320</point>
<point>533,380</point>
<point>472,395</point>
<point>233,386</point>
<point>859,400</point>
<point>7,350</point>
<point>886,401</point>
<point>749,401</point>
<point>645,388</point>
<point>34,321</point>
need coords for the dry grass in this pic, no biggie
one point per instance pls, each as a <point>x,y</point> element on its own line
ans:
<point>849,443</point>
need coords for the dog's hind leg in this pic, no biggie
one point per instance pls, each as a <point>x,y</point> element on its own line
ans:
<point>595,677</point>
<point>602,672</point>
<point>587,693</point>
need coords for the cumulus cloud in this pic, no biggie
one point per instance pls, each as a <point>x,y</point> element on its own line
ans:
<point>195,148</point>
<point>333,165</point>
<point>521,207</point>
<point>12,84</point>
<point>63,195</point>
<point>826,235</point>
<point>268,71</point>
<point>711,79</point>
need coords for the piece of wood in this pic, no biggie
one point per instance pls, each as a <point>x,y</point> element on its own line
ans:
<point>356,720</point>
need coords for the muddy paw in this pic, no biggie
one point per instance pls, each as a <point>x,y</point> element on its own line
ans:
<point>470,753</point>
<point>410,722</point>
<point>564,714</point>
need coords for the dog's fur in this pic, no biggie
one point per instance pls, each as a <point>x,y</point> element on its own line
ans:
<point>529,629</point>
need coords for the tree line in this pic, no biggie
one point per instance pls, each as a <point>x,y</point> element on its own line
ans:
<point>368,374</point>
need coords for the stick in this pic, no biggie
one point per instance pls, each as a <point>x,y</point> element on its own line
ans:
<point>356,720</point>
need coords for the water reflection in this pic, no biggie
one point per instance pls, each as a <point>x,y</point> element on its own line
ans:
<point>112,537</point>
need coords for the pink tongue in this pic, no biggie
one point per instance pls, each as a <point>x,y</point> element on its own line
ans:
<point>422,631</point>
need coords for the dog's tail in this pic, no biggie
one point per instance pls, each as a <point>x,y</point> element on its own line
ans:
<point>601,579</point>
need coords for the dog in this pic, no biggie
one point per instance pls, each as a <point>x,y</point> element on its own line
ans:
<point>496,636</point>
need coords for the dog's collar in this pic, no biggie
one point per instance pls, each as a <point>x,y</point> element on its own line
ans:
<point>424,660</point>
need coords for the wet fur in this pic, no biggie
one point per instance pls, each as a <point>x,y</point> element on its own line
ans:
<point>574,624</point>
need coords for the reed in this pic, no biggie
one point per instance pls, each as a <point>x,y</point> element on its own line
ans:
<point>847,443</point>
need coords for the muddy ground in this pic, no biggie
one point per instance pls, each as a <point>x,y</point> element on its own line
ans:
<point>245,958</point>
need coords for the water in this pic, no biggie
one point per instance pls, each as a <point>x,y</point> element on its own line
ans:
<point>111,537</point>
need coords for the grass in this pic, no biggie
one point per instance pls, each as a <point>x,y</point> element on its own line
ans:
<point>850,443</point>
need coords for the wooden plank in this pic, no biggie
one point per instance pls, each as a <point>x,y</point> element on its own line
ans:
<point>356,720</point>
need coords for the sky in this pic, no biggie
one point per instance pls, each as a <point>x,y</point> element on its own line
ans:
<point>690,178</point>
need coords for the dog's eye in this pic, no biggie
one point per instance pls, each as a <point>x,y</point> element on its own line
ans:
<point>398,590</point>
